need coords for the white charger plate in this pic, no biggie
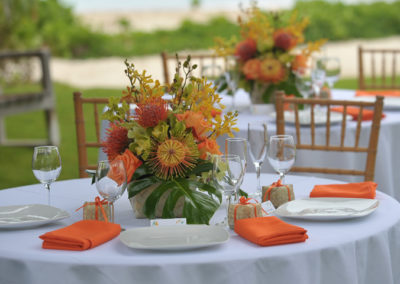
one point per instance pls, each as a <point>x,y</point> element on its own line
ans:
<point>29,215</point>
<point>320,117</point>
<point>174,237</point>
<point>327,208</point>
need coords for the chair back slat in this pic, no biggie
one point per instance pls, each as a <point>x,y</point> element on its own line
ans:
<point>382,68</point>
<point>369,169</point>
<point>96,122</point>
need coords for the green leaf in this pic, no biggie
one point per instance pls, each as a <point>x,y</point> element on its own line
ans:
<point>243,193</point>
<point>137,186</point>
<point>92,174</point>
<point>202,167</point>
<point>199,205</point>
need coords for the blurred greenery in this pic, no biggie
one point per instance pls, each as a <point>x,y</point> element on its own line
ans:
<point>15,162</point>
<point>28,24</point>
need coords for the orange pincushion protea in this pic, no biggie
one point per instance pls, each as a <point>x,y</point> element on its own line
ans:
<point>284,39</point>
<point>271,70</point>
<point>251,69</point>
<point>150,112</point>
<point>246,49</point>
<point>173,158</point>
<point>116,141</point>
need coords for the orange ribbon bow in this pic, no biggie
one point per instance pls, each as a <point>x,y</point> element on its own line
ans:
<point>98,204</point>
<point>245,201</point>
<point>267,194</point>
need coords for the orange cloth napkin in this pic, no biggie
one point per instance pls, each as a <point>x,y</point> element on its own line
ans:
<point>269,231</point>
<point>365,189</point>
<point>367,114</point>
<point>81,235</point>
<point>384,93</point>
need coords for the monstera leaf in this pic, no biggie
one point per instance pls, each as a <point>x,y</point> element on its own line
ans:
<point>199,202</point>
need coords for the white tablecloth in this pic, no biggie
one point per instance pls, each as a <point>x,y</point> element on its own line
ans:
<point>388,156</point>
<point>362,250</point>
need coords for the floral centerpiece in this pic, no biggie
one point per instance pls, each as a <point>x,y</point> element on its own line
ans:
<point>166,144</point>
<point>267,53</point>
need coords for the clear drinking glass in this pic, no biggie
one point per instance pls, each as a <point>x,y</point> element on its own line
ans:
<point>281,154</point>
<point>228,171</point>
<point>111,182</point>
<point>46,166</point>
<point>257,137</point>
<point>331,66</point>
<point>237,146</point>
<point>303,81</point>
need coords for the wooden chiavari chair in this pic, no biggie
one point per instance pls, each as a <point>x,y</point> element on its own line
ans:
<point>217,64</point>
<point>380,66</point>
<point>370,150</point>
<point>83,132</point>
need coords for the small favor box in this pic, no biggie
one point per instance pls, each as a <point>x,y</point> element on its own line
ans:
<point>89,211</point>
<point>278,195</point>
<point>243,211</point>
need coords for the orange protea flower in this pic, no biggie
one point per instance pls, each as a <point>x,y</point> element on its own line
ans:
<point>150,112</point>
<point>271,70</point>
<point>300,61</point>
<point>196,121</point>
<point>251,69</point>
<point>246,49</point>
<point>284,39</point>
<point>116,141</point>
<point>173,157</point>
<point>208,146</point>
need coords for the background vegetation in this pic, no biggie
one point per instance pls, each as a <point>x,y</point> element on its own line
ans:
<point>35,23</point>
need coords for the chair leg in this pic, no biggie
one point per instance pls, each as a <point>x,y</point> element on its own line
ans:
<point>52,127</point>
<point>3,133</point>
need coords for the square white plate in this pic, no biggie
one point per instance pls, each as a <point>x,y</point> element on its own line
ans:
<point>29,215</point>
<point>174,237</point>
<point>327,208</point>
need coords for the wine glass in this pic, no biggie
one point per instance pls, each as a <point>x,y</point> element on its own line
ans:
<point>281,154</point>
<point>303,81</point>
<point>237,146</point>
<point>46,166</point>
<point>228,171</point>
<point>331,66</point>
<point>111,182</point>
<point>257,137</point>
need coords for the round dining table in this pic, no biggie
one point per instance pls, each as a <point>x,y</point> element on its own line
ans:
<point>387,159</point>
<point>355,250</point>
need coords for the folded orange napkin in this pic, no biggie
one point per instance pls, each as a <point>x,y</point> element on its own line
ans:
<point>365,189</point>
<point>384,93</point>
<point>367,114</point>
<point>269,231</point>
<point>81,235</point>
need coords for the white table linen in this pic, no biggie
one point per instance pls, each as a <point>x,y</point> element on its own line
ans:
<point>362,250</point>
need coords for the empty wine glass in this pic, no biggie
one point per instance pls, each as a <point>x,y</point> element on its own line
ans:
<point>331,66</point>
<point>281,154</point>
<point>46,166</point>
<point>228,171</point>
<point>111,182</point>
<point>257,138</point>
<point>237,146</point>
<point>211,72</point>
<point>303,81</point>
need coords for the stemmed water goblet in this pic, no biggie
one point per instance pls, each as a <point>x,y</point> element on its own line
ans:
<point>331,66</point>
<point>46,166</point>
<point>237,146</point>
<point>257,138</point>
<point>228,171</point>
<point>281,154</point>
<point>111,182</point>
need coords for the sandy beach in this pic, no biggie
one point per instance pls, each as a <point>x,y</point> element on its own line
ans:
<point>108,72</point>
